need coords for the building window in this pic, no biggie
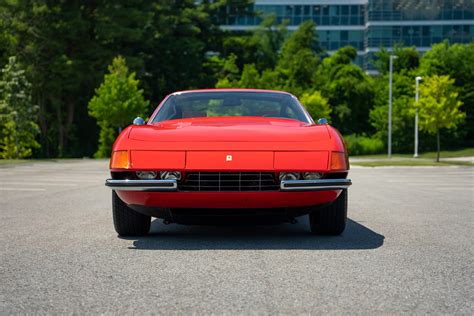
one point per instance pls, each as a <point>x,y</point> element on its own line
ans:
<point>344,35</point>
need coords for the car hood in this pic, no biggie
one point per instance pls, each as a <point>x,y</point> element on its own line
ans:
<point>230,129</point>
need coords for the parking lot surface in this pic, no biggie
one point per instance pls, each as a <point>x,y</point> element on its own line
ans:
<point>408,248</point>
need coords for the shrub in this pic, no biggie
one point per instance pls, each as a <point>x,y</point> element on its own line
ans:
<point>316,104</point>
<point>363,145</point>
<point>18,115</point>
<point>117,101</point>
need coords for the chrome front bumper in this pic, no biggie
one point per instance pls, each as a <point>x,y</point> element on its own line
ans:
<point>315,185</point>
<point>172,185</point>
<point>142,185</point>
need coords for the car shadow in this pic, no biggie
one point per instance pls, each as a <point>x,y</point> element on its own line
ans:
<point>253,237</point>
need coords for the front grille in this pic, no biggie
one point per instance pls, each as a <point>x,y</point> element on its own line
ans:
<point>229,181</point>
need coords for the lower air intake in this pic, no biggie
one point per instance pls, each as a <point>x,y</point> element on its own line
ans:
<point>229,181</point>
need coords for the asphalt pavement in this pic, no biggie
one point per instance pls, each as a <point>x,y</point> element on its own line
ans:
<point>408,249</point>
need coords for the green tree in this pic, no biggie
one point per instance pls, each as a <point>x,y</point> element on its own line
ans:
<point>405,69</point>
<point>250,77</point>
<point>316,104</point>
<point>403,89</point>
<point>439,106</point>
<point>177,39</point>
<point>270,79</point>
<point>229,73</point>
<point>120,26</point>
<point>55,40</point>
<point>294,68</point>
<point>117,101</point>
<point>268,39</point>
<point>347,88</point>
<point>260,47</point>
<point>408,59</point>
<point>304,38</point>
<point>67,45</point>
<point>457,61</point>
<point>299,58</point>
<point>18,115</point>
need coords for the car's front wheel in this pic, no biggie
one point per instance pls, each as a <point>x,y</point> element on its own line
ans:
<point>331,219</point>
<point>128,222</point>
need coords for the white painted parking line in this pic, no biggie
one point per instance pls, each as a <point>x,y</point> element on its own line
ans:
<point>92,181</point>
<point>430,183</point>
<point>39,183</point>
<point>452,188</point>
<point>21,189</point>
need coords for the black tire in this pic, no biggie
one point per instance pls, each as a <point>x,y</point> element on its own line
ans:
<point>128,222</point>
<point>331,219</point>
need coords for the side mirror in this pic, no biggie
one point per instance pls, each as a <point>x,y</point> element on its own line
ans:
<point>322,121</point>
<point>138,121</point>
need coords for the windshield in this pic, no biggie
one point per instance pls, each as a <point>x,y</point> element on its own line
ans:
<point>230,103</point>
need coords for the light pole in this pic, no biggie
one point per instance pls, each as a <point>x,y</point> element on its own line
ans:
<point>392,57</point>
<point>417,81</point>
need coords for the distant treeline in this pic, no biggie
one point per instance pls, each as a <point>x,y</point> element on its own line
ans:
<point>61,51</point>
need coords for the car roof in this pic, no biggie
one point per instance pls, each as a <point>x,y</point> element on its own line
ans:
<point>231,90</point>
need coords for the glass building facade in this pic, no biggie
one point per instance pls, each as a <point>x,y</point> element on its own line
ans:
<point>369,25</point>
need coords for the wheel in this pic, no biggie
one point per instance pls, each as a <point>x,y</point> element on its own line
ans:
<point>331,219</point>
<point>128,222</point>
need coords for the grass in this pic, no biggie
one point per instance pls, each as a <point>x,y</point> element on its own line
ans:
<point>466,152</point>
<point>13,161</point>
<point>424,159</point>
<point>9,162</point>
<point>410,163</point>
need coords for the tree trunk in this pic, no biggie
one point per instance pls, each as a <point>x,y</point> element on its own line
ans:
<point>43,126</point>
<point>60,131</point>
<point>69,121</point>
<point>64,126</point>
<point>17,153</point>
<point>438,146</point>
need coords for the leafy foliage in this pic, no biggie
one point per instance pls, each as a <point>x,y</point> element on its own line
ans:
<point>117,101</point>
<point>438,106</point>
<point>260,47</point>
<point>456,61</point>
<point>363,145</point>
<point>316,104</point>
<point>402,117</point>
<point>348,89</point>
<point>408,59</point>
<point>18,115</point>
<point>67,45</point>
<point>170,45</point>
<point>298,59</point>
<point>294,66</point>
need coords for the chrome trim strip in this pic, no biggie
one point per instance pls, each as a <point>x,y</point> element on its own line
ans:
<point>142,185</point>
<point>315,185</point>
<point>172,185</point>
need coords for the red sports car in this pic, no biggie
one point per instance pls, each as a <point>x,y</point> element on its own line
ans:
<point>229,152</point>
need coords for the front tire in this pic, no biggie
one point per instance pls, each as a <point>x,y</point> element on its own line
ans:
<point>331,219</point>
<point>128,222</point>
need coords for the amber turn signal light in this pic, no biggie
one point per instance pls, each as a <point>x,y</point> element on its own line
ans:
<point>338,161</point>
<point>119,160</point>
